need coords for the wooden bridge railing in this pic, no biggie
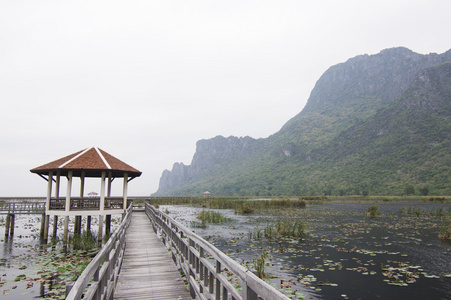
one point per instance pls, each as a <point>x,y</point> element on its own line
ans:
<point>102,272</point>
<point>206,276</point>
<point>22,207</point>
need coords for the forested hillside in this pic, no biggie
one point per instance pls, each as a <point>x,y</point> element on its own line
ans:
<point>376,124</point>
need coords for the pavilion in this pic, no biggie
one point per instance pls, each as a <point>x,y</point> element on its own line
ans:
<point>90,162</point>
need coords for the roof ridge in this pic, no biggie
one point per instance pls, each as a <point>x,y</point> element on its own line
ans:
<point>75,157</point>
<point>103,158</point>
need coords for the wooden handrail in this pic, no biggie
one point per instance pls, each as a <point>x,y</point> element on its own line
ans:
<point>205,279</point>
<point>102,272</point>
<point>22,207</point>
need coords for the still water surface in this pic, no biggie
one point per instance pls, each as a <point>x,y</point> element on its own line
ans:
<point>31,270</point>
<point>346,255</point>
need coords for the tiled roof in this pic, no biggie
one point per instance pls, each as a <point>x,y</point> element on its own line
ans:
<point>91,160</point>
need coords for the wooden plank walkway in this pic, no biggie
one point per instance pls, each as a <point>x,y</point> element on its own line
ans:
<point>148,271</point>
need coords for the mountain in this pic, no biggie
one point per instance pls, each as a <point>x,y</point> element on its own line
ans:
<point>374,124</point>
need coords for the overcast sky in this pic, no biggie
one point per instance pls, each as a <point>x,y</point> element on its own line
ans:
<point>145,80</point>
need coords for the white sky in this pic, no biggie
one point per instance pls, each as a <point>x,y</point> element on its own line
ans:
<point>145,80</point>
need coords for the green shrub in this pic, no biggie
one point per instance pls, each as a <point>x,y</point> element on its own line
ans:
<point>373,211</point>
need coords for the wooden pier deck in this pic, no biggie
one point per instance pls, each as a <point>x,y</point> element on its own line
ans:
<point>148,271</point>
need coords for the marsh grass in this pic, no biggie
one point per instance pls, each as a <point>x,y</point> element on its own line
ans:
<point>201,224</point>
<point>84,241</point>
<point>259,264</point>
<point>244,209</point>
<point>282,228</point>
<point>212,217</point>
<point>445,229</point>
<point>239,205</point>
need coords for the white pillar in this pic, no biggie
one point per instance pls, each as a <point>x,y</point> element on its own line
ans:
<point>102,205</point>
<point>110,180</point>
<point>102,193</point>
<point>49,191</point>
<point>68,190</point>
<point>57,185</point>
<point>82,184</point>
<point>45,221</point>
<point>124,191</point>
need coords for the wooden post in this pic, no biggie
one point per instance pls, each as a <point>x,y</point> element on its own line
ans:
<point>88,225</point>
<point>77,225</point>
<point>41,232</point>
<point>66,229</point>
<point>11,228</point>
<point>8,221</point>
<point>46,227</point>
<point>99,234</point>
<point>55,225</point>
<point>107,225</point>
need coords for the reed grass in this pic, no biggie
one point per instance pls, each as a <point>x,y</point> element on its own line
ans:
<point>84,241</point>
<point>445,229</point>
<point>239,205</point>
<point>212,217</point>
<point>259,264</point>
<point>282,228</point>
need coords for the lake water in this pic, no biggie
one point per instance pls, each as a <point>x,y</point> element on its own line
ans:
<point>346,255</point>
<point>31,270</point>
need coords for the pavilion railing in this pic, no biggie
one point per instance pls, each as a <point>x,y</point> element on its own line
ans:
<point>88,203</point>
<point>98,280</point>
<point>205,265</point>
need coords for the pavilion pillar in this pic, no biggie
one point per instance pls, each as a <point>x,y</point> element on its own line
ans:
<point>108,217</point>
<point>45,219</point>
<point>57,185</point>
<point>67,207</point>
<point>102,205</point>
<point>124,191</point>
<point>77,225</point>
<point>82,183</point>
<point>57,194</point>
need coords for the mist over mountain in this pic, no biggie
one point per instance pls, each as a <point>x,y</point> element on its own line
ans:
<point>376,124</point>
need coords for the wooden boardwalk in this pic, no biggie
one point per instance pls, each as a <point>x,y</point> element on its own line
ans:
<point>148,271</point>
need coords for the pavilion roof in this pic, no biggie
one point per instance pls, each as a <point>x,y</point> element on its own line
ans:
<point>91,160</point>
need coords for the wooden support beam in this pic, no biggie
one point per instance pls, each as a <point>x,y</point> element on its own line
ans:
<point>88,225</point>
<point>107,225</point>
<point>41,232</point>
<point>8,221</point>
<point>55,226</point>
<point>99,234</point>
<point>11,228</point>
<point>46,221</point>
<point>66,229</point>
